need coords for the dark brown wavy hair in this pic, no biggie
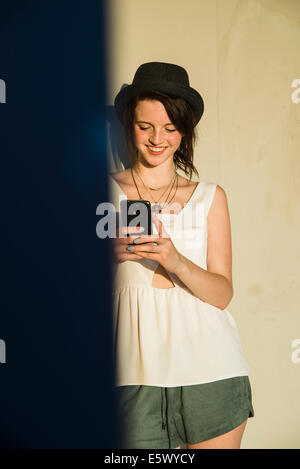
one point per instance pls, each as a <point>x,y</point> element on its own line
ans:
<point>181,116</point>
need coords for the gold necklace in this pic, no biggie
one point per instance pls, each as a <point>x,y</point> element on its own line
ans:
<point>156,201</point>
<point>153,188</point>
<point>174,192</point>
<point>156,208</point>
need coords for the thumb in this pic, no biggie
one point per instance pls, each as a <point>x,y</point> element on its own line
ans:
<point>160,227</point>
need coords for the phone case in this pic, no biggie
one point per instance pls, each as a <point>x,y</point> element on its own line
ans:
<point>136,213</point>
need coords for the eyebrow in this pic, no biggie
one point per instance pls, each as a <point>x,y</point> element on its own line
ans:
<point>145,122</point>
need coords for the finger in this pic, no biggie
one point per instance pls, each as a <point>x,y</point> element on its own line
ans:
<point>149,255</point>
<point>160,227</point>
<point>124,255</point>
<point>149,247</point>
<point>132,257</point>
<point>142,239</point>
<point>124,230</point>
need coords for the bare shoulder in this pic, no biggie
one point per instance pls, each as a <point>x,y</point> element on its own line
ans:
<point>186,183</point>
<point>121,176</point>
<point>219,203</point>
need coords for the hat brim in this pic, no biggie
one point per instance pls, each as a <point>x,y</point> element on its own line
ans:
<point>172,89</point>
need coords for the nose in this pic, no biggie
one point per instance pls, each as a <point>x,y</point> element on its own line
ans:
<point>156,138</point>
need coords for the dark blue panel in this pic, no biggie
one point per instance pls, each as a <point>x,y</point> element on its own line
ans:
<point>56,387</point>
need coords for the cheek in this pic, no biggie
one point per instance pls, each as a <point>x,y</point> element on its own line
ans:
<point>175,140</point>
<point>138,136</point>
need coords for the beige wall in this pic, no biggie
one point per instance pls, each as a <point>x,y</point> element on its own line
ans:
<point>242,55</point>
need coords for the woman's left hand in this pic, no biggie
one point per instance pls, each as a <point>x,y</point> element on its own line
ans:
<point>164,252</point>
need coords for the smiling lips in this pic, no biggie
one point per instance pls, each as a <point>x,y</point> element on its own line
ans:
<point>155,150</point>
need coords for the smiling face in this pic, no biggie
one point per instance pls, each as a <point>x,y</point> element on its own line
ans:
<point>155,137</point>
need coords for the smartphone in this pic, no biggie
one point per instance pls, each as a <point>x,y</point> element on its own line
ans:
<point>136,213</point>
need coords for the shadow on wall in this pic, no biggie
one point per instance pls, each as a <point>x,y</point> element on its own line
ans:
<point>116,142</point>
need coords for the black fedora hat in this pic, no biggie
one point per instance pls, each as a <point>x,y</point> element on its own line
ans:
<point>167,78</point>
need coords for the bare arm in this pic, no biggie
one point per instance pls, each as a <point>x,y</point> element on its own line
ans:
<point>214,285</point>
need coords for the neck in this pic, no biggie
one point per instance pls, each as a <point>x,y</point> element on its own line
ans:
<point>155,176</point>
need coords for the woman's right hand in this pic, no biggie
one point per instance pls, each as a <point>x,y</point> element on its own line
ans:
<point>120,244</point>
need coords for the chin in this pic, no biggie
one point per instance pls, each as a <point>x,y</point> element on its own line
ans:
<point>154,160</point>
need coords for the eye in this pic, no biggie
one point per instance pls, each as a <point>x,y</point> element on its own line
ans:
<point>143,128</point>
<point>171,130</point>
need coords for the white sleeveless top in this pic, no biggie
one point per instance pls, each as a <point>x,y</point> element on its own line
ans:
<point>167,336</point>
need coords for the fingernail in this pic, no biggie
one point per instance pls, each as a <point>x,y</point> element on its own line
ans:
<point>130,248</point>
<point>136,240</point>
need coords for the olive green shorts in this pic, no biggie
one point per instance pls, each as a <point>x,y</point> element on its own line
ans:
<point>152,417</point>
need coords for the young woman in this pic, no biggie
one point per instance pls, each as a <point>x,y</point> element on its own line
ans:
<point>182,379</point>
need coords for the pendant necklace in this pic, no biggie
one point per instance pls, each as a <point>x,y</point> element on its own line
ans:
<point>157,208</point>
